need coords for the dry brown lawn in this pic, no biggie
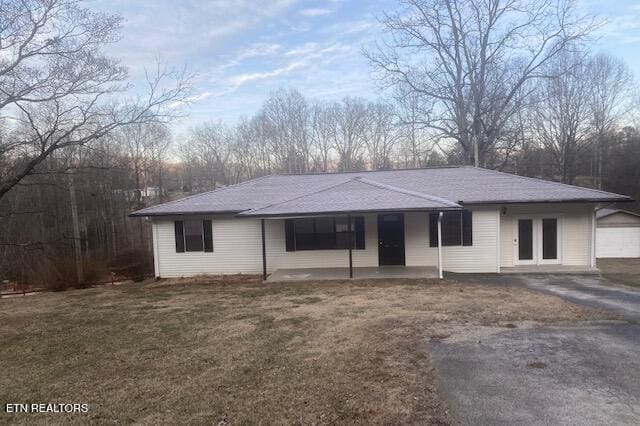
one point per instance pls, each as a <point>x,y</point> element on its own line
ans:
<point>621,271</point>
<point>236,351</point>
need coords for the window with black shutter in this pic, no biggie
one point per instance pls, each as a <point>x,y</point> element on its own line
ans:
<point>207,235</point>
<point>179,232</point>
<point>193,235</point>
<point>457,228</point>
<point>324,233</point>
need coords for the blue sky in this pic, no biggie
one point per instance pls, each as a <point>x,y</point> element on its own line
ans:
<point>241,50</point>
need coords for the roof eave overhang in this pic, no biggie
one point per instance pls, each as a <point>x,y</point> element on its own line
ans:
<point>185,213</point>
<point>573,200</point>
<point>247,214</point>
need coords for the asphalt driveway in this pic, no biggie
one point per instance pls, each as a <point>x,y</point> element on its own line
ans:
<point>587,290</point>
<point>584,373</point>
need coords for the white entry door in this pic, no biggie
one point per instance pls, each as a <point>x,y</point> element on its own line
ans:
<point>537,240</point>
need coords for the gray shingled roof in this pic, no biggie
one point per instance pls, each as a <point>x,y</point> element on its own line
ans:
<point>355,194</point>
<point>600,213</point>
<point>370,191</point>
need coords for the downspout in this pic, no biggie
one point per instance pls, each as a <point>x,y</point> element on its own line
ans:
<point>156,249</point>
<point>593,239</point>
<point>264,252</point>
<point>350,247</point>
<point>440,245</point>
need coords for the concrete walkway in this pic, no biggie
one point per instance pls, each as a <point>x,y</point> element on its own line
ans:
<point>382,272</point>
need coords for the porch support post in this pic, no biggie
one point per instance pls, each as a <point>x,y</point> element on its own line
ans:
<point>264,252</point>
<point>440,245</point>
<point>350,247</point>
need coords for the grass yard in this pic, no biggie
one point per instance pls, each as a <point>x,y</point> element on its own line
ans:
<point>622,271</point>
<point>233,350</point>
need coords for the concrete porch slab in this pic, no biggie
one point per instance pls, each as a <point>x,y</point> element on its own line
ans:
<point>382,272</point>
<point>549,269</point>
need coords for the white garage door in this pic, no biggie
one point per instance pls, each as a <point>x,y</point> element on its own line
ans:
<point>618,242</point>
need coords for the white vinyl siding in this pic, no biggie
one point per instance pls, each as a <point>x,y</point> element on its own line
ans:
<point>618,235</point>
<point>574,226</point>
<point>279,258</point>
<point>237,249</point>
<point>479,257</point>
<point>619,219</point>
<point>237,246</point>
<point>612,242</point>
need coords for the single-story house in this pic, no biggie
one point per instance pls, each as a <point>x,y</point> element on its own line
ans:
<point>617,233</point>
<point>457,219</point>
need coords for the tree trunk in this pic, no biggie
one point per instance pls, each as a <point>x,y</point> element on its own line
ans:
<point>77,243</point>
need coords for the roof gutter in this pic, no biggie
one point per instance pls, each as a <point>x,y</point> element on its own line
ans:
<point>345,212</point>
<point>580,200</point>
<point>245,213</point>
<point>185,213</point>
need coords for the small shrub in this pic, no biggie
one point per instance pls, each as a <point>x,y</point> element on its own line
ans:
<point>54,274</point>
<point>95,271</point>
<point>134,264</point>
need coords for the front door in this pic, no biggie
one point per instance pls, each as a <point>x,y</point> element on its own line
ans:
<point>537,240</point>
<point>391,239</point>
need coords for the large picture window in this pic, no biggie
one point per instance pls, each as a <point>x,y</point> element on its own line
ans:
<point>193,235</point>
<point>323,233</point>
<point>457,228</point>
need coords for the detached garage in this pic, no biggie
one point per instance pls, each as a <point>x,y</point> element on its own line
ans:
<point>618,233</point>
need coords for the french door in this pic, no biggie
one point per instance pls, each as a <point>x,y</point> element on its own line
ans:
<point>537,240</point>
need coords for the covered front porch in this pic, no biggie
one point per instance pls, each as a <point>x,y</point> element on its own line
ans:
<point>359,273</point>
<point>355,229</point>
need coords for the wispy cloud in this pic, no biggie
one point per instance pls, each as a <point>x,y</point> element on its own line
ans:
<point>313,12</point>
<point>623,29</point>
<point>240,79</point>
<point>186,30</point>
<point>255,50</point>
<point>305,49</point>
<point>301,57</point>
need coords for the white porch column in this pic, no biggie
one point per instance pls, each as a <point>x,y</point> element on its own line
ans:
<point>440,245</point>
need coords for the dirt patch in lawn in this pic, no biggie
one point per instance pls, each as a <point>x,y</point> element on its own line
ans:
<point>621,271</point>
<point>234,350</point>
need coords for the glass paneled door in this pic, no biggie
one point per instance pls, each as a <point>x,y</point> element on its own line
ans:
<point>536,240</point>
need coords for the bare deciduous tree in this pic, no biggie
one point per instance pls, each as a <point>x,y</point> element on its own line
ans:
<point>610,86</point>
<point>348,118</point>
<point>466,60</point>
<point>322,130</point>
<point>562,112</point>
<point>211,143</point>
<point>286,117</point>
<point>58,90</point>
<point>380,135</point>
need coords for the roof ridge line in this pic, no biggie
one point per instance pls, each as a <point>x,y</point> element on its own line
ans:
<point>552,182</point>
<point>346,172</point>
<point>296,197</point>
<point>406,191</point>
<point>449,203</point>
